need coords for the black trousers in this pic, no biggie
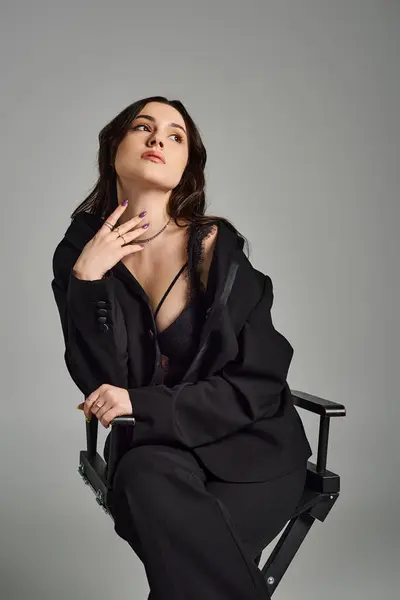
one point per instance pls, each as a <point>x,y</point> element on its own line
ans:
<point>196,535</point>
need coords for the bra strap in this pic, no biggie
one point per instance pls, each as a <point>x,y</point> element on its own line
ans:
<point>168,290</point>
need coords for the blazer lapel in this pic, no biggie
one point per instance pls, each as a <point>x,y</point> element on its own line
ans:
<point>213,319</point>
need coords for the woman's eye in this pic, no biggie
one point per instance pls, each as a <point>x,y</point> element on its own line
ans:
<point>173,134</point>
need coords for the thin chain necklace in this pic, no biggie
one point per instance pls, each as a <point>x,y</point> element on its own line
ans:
<point>153,236</point>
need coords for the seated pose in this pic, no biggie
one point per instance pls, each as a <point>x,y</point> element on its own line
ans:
<point>164,318</point>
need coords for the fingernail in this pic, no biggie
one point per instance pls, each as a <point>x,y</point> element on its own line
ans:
<point>125,202</point>
<point>141,245</point>
<point>88,420</point>
<point>145,226</point>
<point>143,214</point>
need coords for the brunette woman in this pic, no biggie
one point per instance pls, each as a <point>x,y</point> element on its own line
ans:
<point>165,318</point>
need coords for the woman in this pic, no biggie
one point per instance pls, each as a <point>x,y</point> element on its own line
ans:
<point>165,318</point>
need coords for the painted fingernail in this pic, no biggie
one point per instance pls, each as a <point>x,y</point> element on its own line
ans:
<point>141,245</point>
<point>88,420</point>
<point>145,226</point>
<point>143,214</point>
<point>125,202</point>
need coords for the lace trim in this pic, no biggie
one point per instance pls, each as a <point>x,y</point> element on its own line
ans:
<point>196,253</point>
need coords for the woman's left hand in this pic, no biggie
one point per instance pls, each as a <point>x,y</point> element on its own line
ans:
<point>107,402</point>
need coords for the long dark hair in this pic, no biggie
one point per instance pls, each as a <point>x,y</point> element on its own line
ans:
<point>187,201</point>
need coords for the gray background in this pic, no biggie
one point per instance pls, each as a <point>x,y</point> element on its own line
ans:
<point>298,104</point>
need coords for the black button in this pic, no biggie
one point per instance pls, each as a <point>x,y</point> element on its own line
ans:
<point>103,304</point>
<point>102,311</point>
<point>104,327</point>
<point>102,319</point>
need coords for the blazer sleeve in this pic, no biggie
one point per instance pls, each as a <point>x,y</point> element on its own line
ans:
<point>92,323</point>
<point>245,390</point>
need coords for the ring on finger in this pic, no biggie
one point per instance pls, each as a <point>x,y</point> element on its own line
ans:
<point>116,230</point>
<point>119,234</point>
<point>110,225</point>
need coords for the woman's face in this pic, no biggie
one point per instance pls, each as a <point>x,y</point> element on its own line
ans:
<point>157,127</point>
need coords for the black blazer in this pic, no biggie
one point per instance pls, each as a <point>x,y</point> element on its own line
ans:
<point>233,407</point>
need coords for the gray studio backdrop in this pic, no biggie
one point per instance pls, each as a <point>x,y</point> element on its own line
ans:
<point>298,103</point>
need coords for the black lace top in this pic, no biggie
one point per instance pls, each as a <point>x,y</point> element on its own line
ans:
<point>179,341</point>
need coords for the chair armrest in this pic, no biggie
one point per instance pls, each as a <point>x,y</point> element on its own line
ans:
<point>124,420</point>
<point>92,427</point>
<point>317,405</point>
<point>325,409</point>
<point>101,472</point>
<point>117,448</point>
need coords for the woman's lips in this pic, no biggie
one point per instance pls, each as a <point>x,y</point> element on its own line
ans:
<point>153,158</point>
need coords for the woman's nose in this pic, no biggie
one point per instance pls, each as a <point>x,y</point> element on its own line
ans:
<point>155,141</point>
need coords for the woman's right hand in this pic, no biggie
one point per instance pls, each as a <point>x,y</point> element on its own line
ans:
<point>106,248</point>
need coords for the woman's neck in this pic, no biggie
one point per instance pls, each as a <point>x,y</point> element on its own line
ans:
<point>153,201</point>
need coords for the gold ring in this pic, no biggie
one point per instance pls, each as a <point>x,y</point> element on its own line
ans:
<point>110,225</point>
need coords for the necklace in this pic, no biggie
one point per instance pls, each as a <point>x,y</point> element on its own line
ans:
<point>153,236</point>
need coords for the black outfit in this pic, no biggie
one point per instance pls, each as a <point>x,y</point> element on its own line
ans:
<point>216,462</point>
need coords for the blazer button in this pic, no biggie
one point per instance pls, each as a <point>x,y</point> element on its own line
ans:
<point>103,327</point>
<point>102,319</point>
<point>103,304</point>
<point>101,311</point>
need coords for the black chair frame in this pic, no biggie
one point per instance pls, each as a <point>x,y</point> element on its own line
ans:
<point>320,492</point>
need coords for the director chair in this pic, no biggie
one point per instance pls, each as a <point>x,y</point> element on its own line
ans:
<point>320,493</point>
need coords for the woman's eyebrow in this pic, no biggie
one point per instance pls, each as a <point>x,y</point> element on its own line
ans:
<point>150,118</point>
